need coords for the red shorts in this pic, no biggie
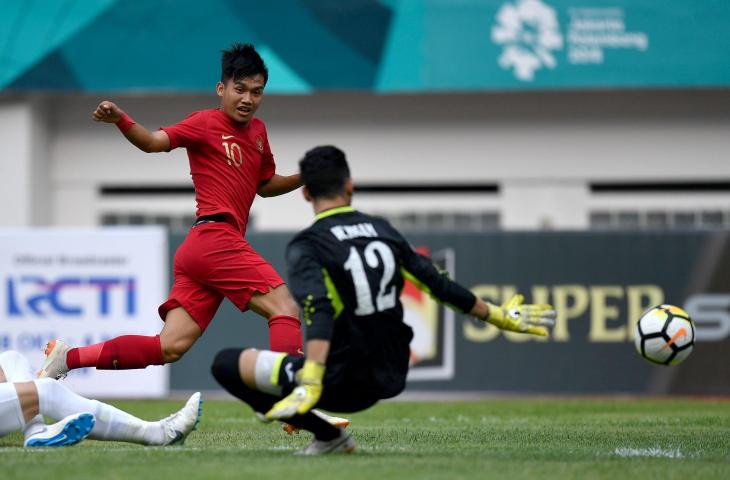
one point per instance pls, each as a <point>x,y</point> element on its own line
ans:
<point>214,262</point>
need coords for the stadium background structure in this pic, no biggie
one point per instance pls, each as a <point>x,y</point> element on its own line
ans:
<point>632,151</point>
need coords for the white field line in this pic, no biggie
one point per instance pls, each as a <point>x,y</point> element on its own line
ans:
<point>656,452</point>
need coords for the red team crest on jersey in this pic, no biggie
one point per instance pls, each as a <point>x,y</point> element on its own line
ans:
<point>260,143</point>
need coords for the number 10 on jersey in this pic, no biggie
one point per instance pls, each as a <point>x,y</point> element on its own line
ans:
<point>234,154</point>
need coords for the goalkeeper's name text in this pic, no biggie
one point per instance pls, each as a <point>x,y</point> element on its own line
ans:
<point>347,232</point>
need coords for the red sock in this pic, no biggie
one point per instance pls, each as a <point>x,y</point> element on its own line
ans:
<point>285,335</point>
<point>120,353</point>
<point>83,356</point>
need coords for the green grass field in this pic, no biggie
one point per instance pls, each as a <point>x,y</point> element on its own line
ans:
<point>446,440</point>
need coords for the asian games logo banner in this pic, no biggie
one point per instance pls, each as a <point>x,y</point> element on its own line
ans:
<point>432,347</point>
<point>84,286</point>
<point>530,35</point>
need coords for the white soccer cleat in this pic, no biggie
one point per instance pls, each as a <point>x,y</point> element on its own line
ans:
<point>179,425</point>
<point>342,444</point>
<point>264,419</point>
<point>55,365</point>
<point>332,420</point>
<point>69,431</point>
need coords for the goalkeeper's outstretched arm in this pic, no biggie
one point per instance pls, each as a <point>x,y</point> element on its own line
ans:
<point>514,315</point>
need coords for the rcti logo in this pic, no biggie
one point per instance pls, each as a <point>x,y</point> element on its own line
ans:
<point>32,295</point>
<point>528,30</point>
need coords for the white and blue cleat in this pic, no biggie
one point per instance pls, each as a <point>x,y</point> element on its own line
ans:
<point>179,425</point>
<point>69,431</point>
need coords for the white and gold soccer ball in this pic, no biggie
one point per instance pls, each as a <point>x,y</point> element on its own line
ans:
<point>664,335</point>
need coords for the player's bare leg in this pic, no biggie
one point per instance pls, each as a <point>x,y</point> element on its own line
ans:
<point>178,335</point>
<point>282,312</point>
<point>28,399</point>
<point>277,301</point>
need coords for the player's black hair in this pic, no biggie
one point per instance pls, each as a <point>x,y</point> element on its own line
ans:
<point>241,61</point>
<point>324,171</point>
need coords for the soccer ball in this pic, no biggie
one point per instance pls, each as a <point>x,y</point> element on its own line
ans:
<point>664,335</point>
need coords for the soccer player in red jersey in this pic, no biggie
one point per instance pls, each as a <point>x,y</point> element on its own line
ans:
<point>230,162</point>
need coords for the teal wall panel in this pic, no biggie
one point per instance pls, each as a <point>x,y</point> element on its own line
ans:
<point>367,45</point>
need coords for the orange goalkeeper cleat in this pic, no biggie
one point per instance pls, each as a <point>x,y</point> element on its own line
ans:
<point>334,421</point>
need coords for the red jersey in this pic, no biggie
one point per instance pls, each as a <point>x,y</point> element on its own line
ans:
<point>228,161</point>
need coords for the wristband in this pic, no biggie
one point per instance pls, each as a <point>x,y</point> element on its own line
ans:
<point>312,373</point>
<point>125,123</point>
<point>495,315</point>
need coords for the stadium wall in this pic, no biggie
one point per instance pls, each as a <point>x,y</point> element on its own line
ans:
<point>599,283</point>
<point>542,151</point>
<point>88,285</point>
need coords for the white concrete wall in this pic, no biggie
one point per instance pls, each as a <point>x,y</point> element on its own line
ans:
<point>15,163</point>
<point>542,148</point>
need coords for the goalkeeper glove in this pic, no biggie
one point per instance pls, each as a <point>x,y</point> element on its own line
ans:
<point>516,317</point>
<point>304,397</point>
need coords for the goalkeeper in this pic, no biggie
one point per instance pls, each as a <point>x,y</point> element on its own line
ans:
<point>346,272</point>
